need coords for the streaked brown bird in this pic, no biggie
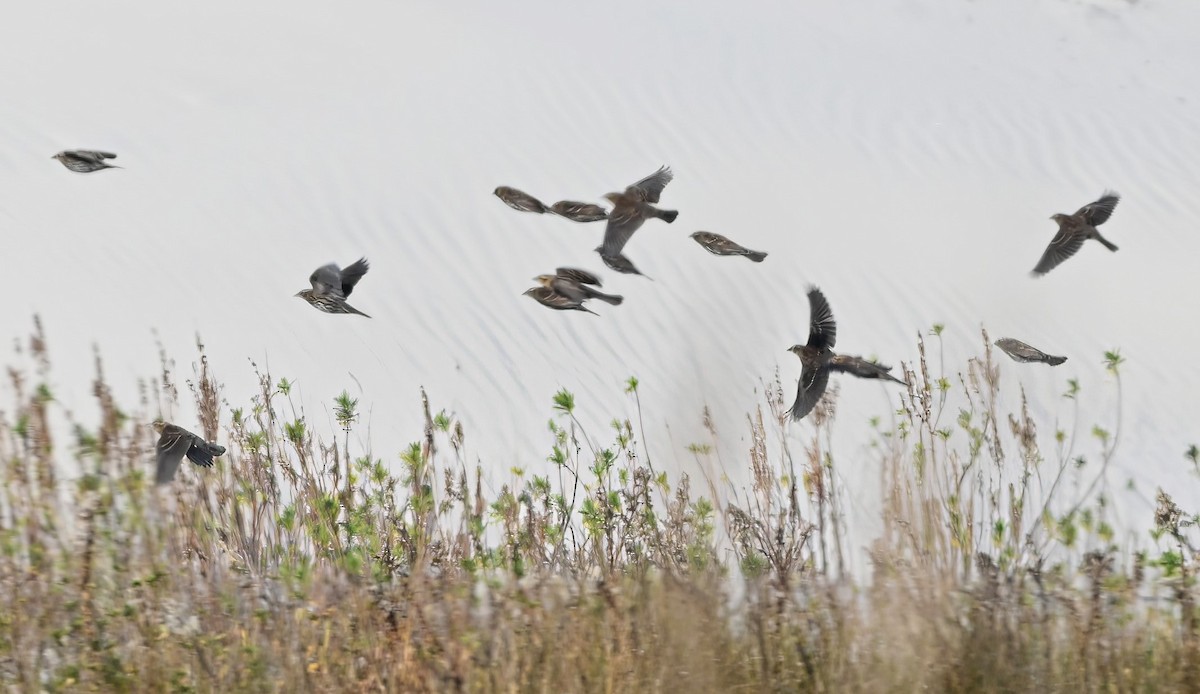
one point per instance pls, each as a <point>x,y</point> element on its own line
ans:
<point>817,358</point>
<point>721,245</point>
<point>331,285</point>
<point>1074,229</point>
<point>620,263</point>
<point>574,284</point>
<point>579,211</point>
<point>1024,353</point>
<point>85,160</point>
<point>551,298</point>
<point>520,200</point>
<point>175,442</point>
<point>633,207</point>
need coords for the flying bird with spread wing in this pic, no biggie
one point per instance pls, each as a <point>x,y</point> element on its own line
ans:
<point>1076,228</point>
<point>331,285</point>
<point>174,443</point>
<point>818,359</point>
<point>632,208</point>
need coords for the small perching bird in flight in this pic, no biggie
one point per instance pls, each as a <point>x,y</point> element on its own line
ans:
<point>579,211</point>
<point>1024,353</point>
<point>85,160</point>
<point>818,359</point>
<point>568,288</point>
<point>1074,229</point>
<point>520,200</point>
<point>721,245</point>
<point>175,442</point>
<point>632,208</point>
<point>331,285</point>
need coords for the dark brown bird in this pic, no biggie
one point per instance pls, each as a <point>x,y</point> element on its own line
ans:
<point>720,245</point>
<point>817,358</point>
<point>619,263</point>
<point>1074,229</point>
<point>520,200</point>
<point>633,207</point>
<point>85,160</point>
<point>331,285</point>
<point>579,211</point>
<point>1024,353</point>
<point>574,284</point>
<point>175,442</point>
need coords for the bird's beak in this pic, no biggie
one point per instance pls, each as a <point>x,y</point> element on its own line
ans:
<point>300,293</point>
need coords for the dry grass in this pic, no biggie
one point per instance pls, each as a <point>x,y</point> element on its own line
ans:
<point>294,565</point>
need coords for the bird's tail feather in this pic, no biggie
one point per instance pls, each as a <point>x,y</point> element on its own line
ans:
<point>667,216</point>
<point>756,256</point>
<point>1107,244</point>
<point>613,299</point>
<point>1054,361</point>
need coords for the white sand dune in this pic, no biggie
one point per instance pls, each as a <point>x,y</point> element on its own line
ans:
<point>905,155</point>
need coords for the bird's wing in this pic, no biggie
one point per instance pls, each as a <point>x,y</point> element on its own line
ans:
<point>102,155</point>
<point>581,276</point>
<point>201,452</point>
<point>650,188</point>
<point>352,274</point>
<point>822,329</point>
<point>619,263</point>
<point>1097,213</point>
<point>622,222</point>
<point>172,445</point>
<point>1062,246</point>
<point>327,281</point>
<point>809,391</point>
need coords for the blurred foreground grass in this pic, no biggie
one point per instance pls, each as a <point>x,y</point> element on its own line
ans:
<point>297,564</point>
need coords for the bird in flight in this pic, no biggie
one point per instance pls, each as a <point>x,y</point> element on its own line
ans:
<point>1074,229</point>
<point>720,245</point>
<point>579,211</point>
<point>175,442</point>
<point>1024,353</point>
<point>85,160</point>
<point>520,200</point>
<point>632,208</point>
<point>568,288</point>
<point>331,285</point>
<point>818,359</point>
